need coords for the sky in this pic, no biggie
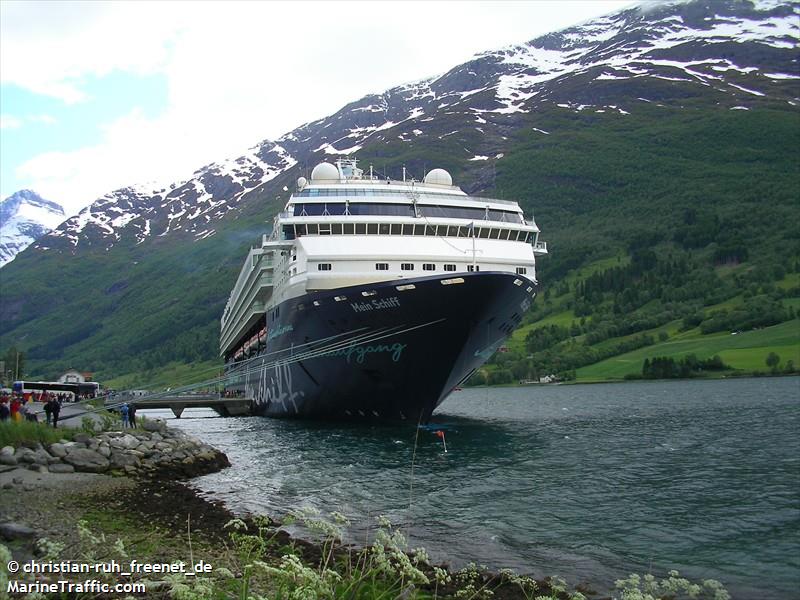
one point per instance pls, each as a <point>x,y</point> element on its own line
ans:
<point>95,96</point>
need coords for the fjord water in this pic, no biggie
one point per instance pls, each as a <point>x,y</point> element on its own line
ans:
<point>590,482</point>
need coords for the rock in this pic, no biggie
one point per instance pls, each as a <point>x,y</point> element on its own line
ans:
<point>87,460</point>
<point>61,468</point>
<point>129,469</point>
<point>126,441</point>
<point>163,446</point>
<point>8,459</point>
<point>82,438</point>
<point>154,425</point>
<point>104,450</point>
<point>124,459</point>
<point>155,437</point>
<point>17,480</point>
<point>41,457</point>
<point>7,450</point>
<point>15,531</point>
<point>8,485</point>
<point>28,457</point>
<point>58,450</point>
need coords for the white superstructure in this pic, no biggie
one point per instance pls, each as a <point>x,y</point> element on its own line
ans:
<point>344,228</point>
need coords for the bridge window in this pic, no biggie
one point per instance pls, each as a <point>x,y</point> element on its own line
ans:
<point>349,228</point>
<point>361,228</point>
<point>372,228</point>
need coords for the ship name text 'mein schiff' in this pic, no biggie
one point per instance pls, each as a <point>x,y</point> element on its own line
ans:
<point>374,298</point>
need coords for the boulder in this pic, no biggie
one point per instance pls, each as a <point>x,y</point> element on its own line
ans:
<point>8,459</point>
<point>104,450</point>
<point>87,460</point>
<point>126,441</point>
<point>61,468</point>
<point>151,425</point>
<point>16,531</point>
<point>58,450</point>
<point>7,450</point>
<point>82,438</point>
<point>124,459</point>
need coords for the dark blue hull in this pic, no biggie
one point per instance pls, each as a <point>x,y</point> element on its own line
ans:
<point>388,351</point>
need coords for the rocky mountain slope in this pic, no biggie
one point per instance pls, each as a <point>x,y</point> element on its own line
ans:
<point>148,270</point>
<point>25,217</point>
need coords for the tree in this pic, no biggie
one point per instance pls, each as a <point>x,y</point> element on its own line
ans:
<point>773,360</point>
<point>14,363</point>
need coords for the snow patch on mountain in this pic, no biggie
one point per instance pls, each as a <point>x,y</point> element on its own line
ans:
<point>24,218</point>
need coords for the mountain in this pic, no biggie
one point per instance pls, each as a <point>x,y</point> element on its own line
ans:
<point>25,217</point>
<point>673,129</point>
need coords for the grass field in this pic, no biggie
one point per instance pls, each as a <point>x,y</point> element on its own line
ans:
<point>746,351</point>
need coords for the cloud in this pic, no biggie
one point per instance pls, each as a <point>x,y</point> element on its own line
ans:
<point>10,122</point>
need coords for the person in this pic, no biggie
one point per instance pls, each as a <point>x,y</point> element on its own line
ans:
<point>123,411</point>
<point>48,410</point>
<point>14,409</point>
<point>132,414</point>
<point>4,410</point>
<point>55,410</point>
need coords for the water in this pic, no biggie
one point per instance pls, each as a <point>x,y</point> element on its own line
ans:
<point>590,482</point>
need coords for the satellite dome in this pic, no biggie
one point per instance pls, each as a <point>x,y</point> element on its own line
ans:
<point>301,182</point>
<point>325,171</point>
<point>439,177</point>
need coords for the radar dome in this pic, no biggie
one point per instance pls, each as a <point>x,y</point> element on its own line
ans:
<point>301,182</point>
<point>439,177</point>
<point>324,171</point>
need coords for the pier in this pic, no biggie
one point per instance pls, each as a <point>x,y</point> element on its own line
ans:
<point>177,403</point>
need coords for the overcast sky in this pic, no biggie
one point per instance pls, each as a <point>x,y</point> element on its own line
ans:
<point>98,95</point>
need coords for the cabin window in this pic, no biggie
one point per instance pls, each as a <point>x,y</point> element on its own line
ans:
<point>325,229</point>
<point>407,266</point>
<point>449,267</point>
<point>428,267</point>
<point>396,228</point>
<point>313,228</point>
<point>349,228</point>
<point>495,234</point>
<point>419,229</point>
<point>384,229</point>
<point>361,228</point>
<point>381,266</point>
<point>430,230</point>
<point>324,267</point>
<point>521,270</point>
<point>336,229</point>
<point>505,234</point>
<point>484,232</point>
<point>300,230</point>
<point>372,228</point>
<point>408,229</point>
<point>472,268</point>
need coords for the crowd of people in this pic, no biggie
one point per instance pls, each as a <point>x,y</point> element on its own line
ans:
<point>18,407</point>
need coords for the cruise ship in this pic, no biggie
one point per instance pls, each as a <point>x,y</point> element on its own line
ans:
<point>373,299</point>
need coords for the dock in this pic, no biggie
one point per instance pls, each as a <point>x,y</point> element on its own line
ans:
<point>225,407</point>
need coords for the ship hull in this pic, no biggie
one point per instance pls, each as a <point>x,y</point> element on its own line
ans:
<point>387,351</point>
